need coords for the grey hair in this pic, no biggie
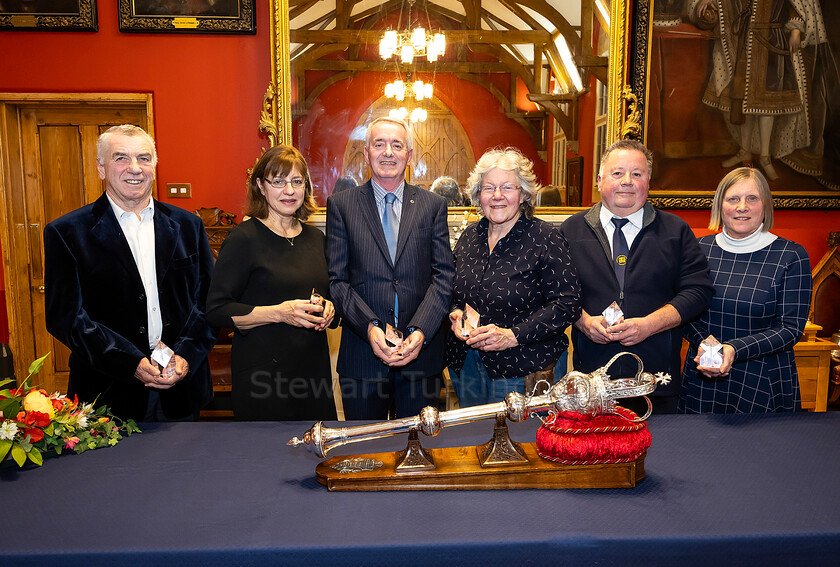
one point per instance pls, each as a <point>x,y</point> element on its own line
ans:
<point>508,159</point>
<point>628,145</point>
<point>447,188</point>
<point>409,142</point>
<point>104,140</point>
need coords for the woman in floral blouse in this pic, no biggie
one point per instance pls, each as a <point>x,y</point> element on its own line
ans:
<point>515,271</point>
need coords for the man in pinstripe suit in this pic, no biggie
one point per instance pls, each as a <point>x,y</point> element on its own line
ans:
<point>389,263</point>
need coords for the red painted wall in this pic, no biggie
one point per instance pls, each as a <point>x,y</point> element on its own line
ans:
<point>808,228</point>
<point>207,93</point>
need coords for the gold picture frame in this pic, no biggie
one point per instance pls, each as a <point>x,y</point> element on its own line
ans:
<point>206,16</point>
<point>695,127</point>
<point>628,113</point>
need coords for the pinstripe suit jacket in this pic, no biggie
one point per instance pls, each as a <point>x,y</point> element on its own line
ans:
<point>363,279</point>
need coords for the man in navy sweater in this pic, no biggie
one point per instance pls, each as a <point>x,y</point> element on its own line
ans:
<point>665,281</point>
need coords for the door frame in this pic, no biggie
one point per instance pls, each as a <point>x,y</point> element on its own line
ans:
<point>13,214</point>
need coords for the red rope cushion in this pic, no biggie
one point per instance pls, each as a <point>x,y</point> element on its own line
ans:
<point>575,439</point>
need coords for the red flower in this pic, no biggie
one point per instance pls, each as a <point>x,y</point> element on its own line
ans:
<point>33,418</point>
<point>34,433</point>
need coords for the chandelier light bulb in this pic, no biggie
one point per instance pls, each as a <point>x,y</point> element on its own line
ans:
<point>428,90</point>
<point>398,113</point>
<point>389,44</point>
<point>418,39</point>
<point>407,54</point>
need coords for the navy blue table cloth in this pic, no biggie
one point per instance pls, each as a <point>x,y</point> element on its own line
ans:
<point>732,490</point>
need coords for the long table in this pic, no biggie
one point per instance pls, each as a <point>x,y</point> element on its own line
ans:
<point>743,489</point>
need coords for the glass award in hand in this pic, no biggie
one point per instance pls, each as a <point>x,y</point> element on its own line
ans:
<point>469,320</point>
<point>613,314</point>
<point>710,353</point>
<point>394,339</point>
<point>316,298</point>
<point>163,358</point>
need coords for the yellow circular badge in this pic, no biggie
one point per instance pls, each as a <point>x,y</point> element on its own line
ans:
<point>621,260</point>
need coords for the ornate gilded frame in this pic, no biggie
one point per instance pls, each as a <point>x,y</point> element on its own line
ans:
<point>83,19</point>
<point>627,78</point>
<point>630,56</point>
<point>628,91</point>
<point>134,19</point>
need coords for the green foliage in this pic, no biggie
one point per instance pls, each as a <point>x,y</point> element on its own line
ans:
<point>71,425</point>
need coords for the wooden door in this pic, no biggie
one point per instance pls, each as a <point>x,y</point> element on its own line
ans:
<point>57,150</point>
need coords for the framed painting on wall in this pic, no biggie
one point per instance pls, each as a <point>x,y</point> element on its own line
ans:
<point>744,83</point>
<point>48,15</point>
<point>188,16</point>
<point>574,177</point>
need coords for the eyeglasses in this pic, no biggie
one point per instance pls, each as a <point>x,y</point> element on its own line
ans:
<point>278,183</point>
<point>505,189</point>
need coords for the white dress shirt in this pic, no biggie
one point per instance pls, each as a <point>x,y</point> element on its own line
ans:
<point>140,234</point>
<point>631,229</point>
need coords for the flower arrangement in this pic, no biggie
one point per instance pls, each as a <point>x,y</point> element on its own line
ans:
<point>33,423</point>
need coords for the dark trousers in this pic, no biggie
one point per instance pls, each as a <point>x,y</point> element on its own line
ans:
<point>395,395</point>
<point>154,411</point>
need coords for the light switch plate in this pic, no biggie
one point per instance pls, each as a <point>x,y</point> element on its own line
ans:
<point>178,190</point>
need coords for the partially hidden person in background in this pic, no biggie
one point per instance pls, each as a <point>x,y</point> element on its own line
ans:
<point>448,188</point>
<point>267,269</point>
<point>515,271</point>
<point>762,296</point>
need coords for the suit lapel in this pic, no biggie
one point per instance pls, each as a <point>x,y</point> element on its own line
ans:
<point>407,219</point>
<point>166,235</point>
<point>367,204</point>
<point>107,232</point>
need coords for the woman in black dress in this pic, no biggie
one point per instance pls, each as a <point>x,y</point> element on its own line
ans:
<point>264,277</point>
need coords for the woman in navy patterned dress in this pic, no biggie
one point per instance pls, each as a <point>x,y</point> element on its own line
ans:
<point>516,272</point>
<point>762,295</point>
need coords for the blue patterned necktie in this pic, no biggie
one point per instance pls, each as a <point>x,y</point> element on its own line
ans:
<point>390,224</point>
<point>620,250</point>
<point>391,227</point>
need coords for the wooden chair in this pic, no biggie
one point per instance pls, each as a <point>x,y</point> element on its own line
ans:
<point>825,312</point>
<point>218,224</point>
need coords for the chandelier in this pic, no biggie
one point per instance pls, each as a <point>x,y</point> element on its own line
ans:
<point>410,44</point>
<point>417,89</point>
<point>417,115</point>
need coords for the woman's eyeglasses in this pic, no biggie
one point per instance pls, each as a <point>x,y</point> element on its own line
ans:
<point>278,183</point>
<point>505,189</point>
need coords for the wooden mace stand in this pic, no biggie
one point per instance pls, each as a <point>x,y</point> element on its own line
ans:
<point>470,468</point>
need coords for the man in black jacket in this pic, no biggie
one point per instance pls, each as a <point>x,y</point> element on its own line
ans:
<point>651,265</point>
<point>124,274</point>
